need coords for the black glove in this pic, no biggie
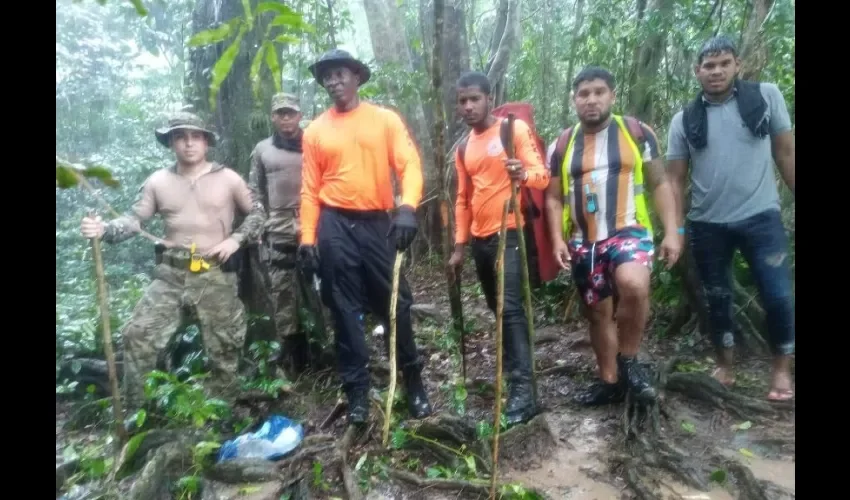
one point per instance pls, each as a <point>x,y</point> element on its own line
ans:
<point>309,257</point>
<point>403,227</point>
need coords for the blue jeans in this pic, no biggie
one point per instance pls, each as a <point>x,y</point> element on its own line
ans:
<point>764,245</point>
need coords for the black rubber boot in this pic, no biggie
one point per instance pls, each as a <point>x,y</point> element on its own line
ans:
<point>296,352</point>
<point>358,406</point>
<point>602,393</point>
<point>521,405</point>
<point>637,378</point>
<point>417,397</point>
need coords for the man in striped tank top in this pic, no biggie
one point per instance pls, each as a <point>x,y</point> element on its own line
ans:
<point>600,227</point>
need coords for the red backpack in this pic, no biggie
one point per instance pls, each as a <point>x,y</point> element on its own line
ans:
<point>542,266</point>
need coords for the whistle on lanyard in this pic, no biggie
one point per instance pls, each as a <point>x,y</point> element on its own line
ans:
<point>590,198</point>
<point>196,262</point>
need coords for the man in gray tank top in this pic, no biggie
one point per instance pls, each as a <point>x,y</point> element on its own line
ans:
<point>276,176</point>
<point>731,135</point>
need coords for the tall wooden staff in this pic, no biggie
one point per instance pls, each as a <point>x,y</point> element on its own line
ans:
<point>523,253</point>
<point>103,298</point>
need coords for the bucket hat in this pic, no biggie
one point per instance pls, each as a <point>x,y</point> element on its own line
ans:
<point>187,121</point>
<point>339,57</point>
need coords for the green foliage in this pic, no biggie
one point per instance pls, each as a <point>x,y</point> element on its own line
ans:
<point>68,174</point>
<point>288,23</point>
<point>184,403</point>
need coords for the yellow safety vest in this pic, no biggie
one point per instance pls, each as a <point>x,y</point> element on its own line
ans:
<point>641,212</point>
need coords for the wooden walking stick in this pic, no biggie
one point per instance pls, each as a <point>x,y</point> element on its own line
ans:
<point>399,257</point>
<point>523,253</point>
<point>500,312</point>
<point>103,298</point>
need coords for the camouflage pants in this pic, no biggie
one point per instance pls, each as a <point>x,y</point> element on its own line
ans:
<point>212,297</point>
<point>285,283</point>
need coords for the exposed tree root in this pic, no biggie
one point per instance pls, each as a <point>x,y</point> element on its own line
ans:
<point>443,435</point>
<point>529,444</point>
<point>646,448</point>
<point>244,470</point>
<point>333,416</point>
<point>348,440</point>
<point>703,387</point>
<point>476,489</point>
<point>167,464</point>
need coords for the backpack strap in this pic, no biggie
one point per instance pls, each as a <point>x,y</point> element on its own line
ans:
<point>635,129</point>
<point>563,141</point>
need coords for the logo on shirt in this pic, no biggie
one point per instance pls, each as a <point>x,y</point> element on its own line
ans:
<point>494,148</point>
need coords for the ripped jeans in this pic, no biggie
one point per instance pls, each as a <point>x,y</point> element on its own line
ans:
<point>764,245</point>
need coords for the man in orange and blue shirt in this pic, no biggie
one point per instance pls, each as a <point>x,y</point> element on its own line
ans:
<point>485,175</point>
<point>600,227</point>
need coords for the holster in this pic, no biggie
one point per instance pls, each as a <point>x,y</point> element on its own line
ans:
<point>280,255</point>
<point>234,263</point>
<point>158,249</point>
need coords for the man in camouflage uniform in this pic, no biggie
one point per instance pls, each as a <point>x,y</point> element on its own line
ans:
<point>198,201</point>
<point>276,177</point>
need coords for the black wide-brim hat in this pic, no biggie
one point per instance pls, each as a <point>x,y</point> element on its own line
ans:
<point>339,57</point>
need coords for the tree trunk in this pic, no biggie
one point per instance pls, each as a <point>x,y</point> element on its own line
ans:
<point>240,121</point>
<point>648,61</point>
<point>753,49</point>
<point>455,58</point>
<point>391,48</point>
<point>505,39</point>
<point>439,147</point>
<point>578,19</point>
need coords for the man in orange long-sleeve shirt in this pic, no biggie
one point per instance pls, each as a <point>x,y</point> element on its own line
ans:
<point>484,184</point>
<point>346,193</point>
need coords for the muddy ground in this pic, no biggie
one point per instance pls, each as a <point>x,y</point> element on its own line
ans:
<point>577,453</point>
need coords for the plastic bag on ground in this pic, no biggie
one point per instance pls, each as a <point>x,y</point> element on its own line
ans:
<point>277,437</point>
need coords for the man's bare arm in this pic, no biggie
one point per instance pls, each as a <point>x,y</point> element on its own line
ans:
<point>677,172</point>
<point>248,201</point>
<point>784,154</point>
<point>555,210</point>
<point>664,195</point>
<point>129,224</point>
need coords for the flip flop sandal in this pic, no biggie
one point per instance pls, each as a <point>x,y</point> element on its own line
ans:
<point>780,395</point>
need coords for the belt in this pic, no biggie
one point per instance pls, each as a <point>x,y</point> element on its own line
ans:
<point>495,236</point>
<point>183,264</point>
<point>358,214</point>
<point>294,211</point>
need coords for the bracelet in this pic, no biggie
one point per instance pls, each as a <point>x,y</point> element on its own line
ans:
<point>681,230</point>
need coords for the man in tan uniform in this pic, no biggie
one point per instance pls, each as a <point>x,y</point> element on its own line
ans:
<point>198,201</point>
<point>276,177</point>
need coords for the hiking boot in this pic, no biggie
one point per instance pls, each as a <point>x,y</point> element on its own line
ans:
<point>417,397</point>
<point>521,406</point>
<point>637,378</point>
<point>358,406</point>
<point>602,393</point>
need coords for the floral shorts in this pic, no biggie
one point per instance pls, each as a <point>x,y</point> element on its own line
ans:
<point>593,264</point>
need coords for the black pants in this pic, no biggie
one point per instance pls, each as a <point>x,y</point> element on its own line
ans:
<point>356,266</point>
<point>517,356</point>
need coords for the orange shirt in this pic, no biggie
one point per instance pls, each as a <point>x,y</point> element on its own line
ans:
<point>491,186</point>
<point>347,162</point>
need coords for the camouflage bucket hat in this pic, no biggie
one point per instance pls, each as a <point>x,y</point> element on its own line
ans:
<point>186,121</point>
<point>285,101</point>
